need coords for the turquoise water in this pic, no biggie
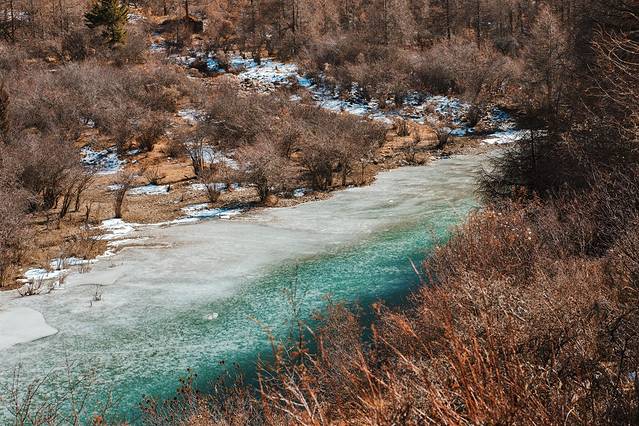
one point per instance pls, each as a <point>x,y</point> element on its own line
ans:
<point>375,269</point>
<point>202,299</point>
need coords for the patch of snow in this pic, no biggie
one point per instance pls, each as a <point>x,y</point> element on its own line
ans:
<point>417,107</point>
<point>134,18</point>
<point>505,137</point>
<point>104,162</point>
<point>219,186</point>
<point>191,115</point>
<point>88,123</point>
<point>202,211</point>
<point>461,132</point>
<point>60,264</point>
<point>115,229</point>
<point>157,47</point>
<point>213,156</point>
<point>300,192</point>
<point>10,14</point>
<point>149,190</point>
<point>40,281</point>
<point>269,71</point>
<point>40,274</point>
<point>451,108</point>
<point>214,65</point>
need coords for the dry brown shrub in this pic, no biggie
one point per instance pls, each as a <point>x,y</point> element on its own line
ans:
<point>264,166</point>
<point>150,132</point>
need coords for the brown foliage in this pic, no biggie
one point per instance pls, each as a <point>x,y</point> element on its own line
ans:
<point>12,232</point>
<point>264,166</point>
<point>123,184</point>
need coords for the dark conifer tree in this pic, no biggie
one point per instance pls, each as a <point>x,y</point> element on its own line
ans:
<point>112,15</point>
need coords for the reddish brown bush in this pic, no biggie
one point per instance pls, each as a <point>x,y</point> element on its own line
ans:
<point>265,167</point>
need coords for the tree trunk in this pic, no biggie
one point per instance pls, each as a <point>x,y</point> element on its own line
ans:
<point>448,33</point>
<point>13,20</point>
<point>478,22</point>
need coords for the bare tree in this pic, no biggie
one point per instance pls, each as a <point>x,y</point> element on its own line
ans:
<point>547,65</point>
<point>4,113</point>
<point>13,232</point>
<point>123,184</point>
<point>83,182</point>
<point>443,135</point>
<point>263,165</point>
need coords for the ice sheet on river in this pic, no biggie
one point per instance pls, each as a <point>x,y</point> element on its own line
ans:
<point>151,322</point>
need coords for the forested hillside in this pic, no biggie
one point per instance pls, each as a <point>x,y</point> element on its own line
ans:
<point>143,92</point>
<point>528,315</point>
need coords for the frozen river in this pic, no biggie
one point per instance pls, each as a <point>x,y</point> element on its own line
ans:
<point>195,295</point>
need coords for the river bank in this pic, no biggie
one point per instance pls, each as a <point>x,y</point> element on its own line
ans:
<point>178,197</point>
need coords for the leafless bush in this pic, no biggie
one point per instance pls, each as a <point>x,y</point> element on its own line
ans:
<point>226,174</point>
<point>411,150</point>
<point>76,45</point>
<point>59,105</point>
<point>97,295</point>
<point>82,244</point>
<point>508,331</point>
<point>318,158</point>
<point>211,185</point>
<point>474,115</point>
<point>173,148</point>
<point>48,167</point>
<point>150,132</point>
<point>27,404</point>
<point>153,175</point>
<point>289,139</point>
<point>4,114</point>
<point>12,57</point>
<point>134,51</point>
<point>213,192</point>
<point>13,234</point>
<point>402,128</point>
<point>83,182</point>
<point>123,184</point>
<point>199,152</point>
<point>265,167</point>
<point>443,135</point>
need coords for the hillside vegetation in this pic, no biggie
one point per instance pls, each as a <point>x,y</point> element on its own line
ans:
<point>528,315</point>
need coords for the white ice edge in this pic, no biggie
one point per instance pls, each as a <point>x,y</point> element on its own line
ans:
<point>21,325</point>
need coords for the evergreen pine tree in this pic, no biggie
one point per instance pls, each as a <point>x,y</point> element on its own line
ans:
<point>112,15</point>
